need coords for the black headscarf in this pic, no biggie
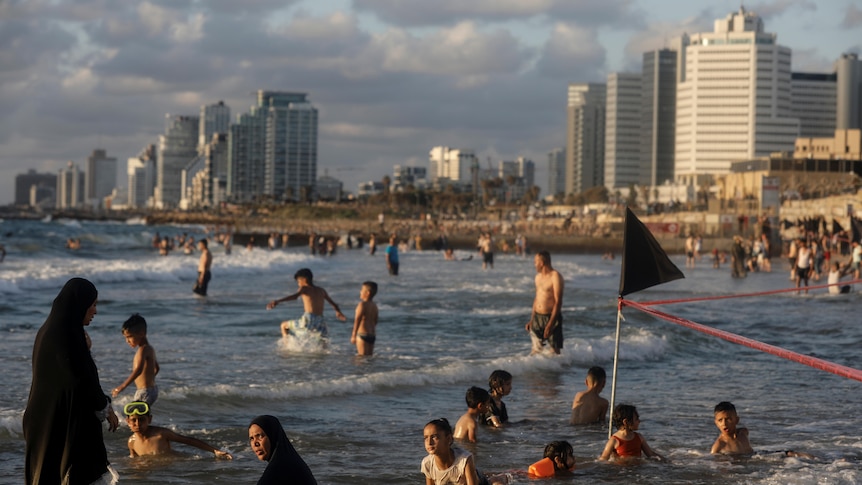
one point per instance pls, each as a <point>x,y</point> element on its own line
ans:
<point>285,465</point>
<point>62,430</point>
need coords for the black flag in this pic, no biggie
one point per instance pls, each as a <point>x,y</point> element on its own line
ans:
<point>645,263</point>
<point>856,226</point>
<point>836,226</point>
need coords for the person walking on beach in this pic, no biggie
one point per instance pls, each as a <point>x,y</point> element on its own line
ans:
<point>546,320</point>
<point>204,265</point>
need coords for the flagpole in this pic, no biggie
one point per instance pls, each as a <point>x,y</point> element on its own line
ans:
<point>614,378</point>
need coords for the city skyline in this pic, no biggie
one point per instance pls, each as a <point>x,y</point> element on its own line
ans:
<point>391,79</point>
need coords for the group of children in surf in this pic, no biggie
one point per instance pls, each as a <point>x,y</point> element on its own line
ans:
<point>447,463</point>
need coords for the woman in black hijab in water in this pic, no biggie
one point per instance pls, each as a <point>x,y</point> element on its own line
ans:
<point>62,422</point>
<point>269,443</point>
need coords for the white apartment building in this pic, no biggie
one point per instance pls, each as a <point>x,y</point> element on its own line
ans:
<point>177,147</point>
<point>70,187</point>
<point>141,171</point>
<point>623,131</point>
<point>585,136</point>
<point>733,98</point>
<point>450,164</point>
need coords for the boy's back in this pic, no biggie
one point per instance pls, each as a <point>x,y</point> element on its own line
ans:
<point>368,317</point>
<point>146,358</point>
<point>465,428</point>
<point>588,407</point>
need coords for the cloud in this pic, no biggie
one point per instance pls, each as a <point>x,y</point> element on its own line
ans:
<point>772,9</point>
<point>852,17</point>
<point>573,54</point>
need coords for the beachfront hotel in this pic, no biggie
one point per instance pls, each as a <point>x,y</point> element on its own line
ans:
<point>623,131</point>
<point>177,147</point>
<point>733,98</point>
<point>585,136</point>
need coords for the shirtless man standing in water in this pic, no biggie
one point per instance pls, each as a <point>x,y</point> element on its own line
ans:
<point>546,321</point>
<point>204,265</point>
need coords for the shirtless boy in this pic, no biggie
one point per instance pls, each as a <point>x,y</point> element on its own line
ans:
<point>733,440</point>
<point>546,321</point>
<point>313,298</point>
<point>477,404</point>
<point>588,407</point>
<point>365,320</point>
<point>155,440</point>
<point>144,365</point>
<point>203,268</point>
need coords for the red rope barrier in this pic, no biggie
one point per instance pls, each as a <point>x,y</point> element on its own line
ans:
<point>759,293</point>
<point>814,362</point>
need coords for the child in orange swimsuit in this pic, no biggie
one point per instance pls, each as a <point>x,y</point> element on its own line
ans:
<point>627,442</point>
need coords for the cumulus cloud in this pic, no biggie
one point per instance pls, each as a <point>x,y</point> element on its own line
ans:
<point>852,17</point>
<point>572,53</point>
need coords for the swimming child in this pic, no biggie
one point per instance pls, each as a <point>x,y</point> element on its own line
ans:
<point>446,464</point>
<point>627,442</point>
<point>313,298</point>
<point>499,385</point>
<point>733,440</point>
<point>588,406</point>
<point>144,365</point>
<point>365,320</point>
<point>155,440</point>
<point>558,461</point>
<point>477,404</point>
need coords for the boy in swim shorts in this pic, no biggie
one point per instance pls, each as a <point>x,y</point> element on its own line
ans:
<point>144,365</point>
<point>313,298</point>
<point>365,320</point>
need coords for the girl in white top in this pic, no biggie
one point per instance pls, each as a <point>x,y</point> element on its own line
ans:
<point>444,464</point>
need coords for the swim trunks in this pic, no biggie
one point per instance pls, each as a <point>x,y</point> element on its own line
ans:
<point>488,257</point>
<point>147,394</point>
<point>310,322</point>
<point>201,289</point>
<point>367,338</point>
<point>537,332</point>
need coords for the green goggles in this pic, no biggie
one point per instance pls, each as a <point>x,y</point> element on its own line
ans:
<point>139,408</point>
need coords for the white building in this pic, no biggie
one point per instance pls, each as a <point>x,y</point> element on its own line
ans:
<point>177,147</point>
<point>452,165</point>
<point>70,187</point>
<point>733,98</point>
<point>585,137</point>
<point>101,177</point>
<point>141,171</point>
<point>623,131</point>
<point>526,171</point>
<point>404,176</point>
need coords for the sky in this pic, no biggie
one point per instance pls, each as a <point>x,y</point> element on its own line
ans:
<point>391,78</point>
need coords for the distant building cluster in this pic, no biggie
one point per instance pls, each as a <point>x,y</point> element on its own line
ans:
<point>679,127</point>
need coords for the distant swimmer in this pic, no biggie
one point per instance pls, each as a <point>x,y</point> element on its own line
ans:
<point>73,244</point>
<point>365,320</point>
<point>546,320</point>
<point>204,265</point>
<point>313,298</point>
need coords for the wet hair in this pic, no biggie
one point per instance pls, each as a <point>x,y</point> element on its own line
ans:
<point>558,449</point>
<point>498,378</point>
<point>135,324</point>
<point>476,396</point>
<point>597,374</point>
<point>724,406</point>
<point>441,424</point>
<point>545,256</point>
<point>624,412</point>
<point>372,287</point>
<point>304,273</point>
<point>204,242</point>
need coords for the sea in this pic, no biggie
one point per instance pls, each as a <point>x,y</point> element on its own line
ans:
<point>444,327</point>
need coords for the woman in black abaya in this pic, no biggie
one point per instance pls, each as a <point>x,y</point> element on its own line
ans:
<point>62,422</point>
<point>269,443</point>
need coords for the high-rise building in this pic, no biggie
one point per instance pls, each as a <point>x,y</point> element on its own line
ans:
<point>623,131</point>
<point>507,168</point>
<point>404,176</point>
<point>45,183</point>
<point>733,98</point>
<point>101,179</point>
<point>141,171</point>
<point>203,179</point>
<point>70,187</point>
<point>526,171</point>
<point>215,118</point>
<point>849,92</point>
<point>585,136</point>
<point>177,147</point>
<point>450,164</point>
<point>814,103</point>
<point>273,149</point>
<point>658,116</point>
<point>557,172</point>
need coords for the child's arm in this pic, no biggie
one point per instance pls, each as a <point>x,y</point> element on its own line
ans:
<point>649,451</point>
<point>717,446</point>
<point>188,440</point>
<point>608,452</point>
<point>141,358</point>
<point>470,471</point>
<point>273,303</point>
<point>132,453</point>
<point>338,313</point>
<point>358,315</point>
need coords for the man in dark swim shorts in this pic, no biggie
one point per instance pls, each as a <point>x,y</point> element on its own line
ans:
<point>546,321</point>
<point>537,332</point>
